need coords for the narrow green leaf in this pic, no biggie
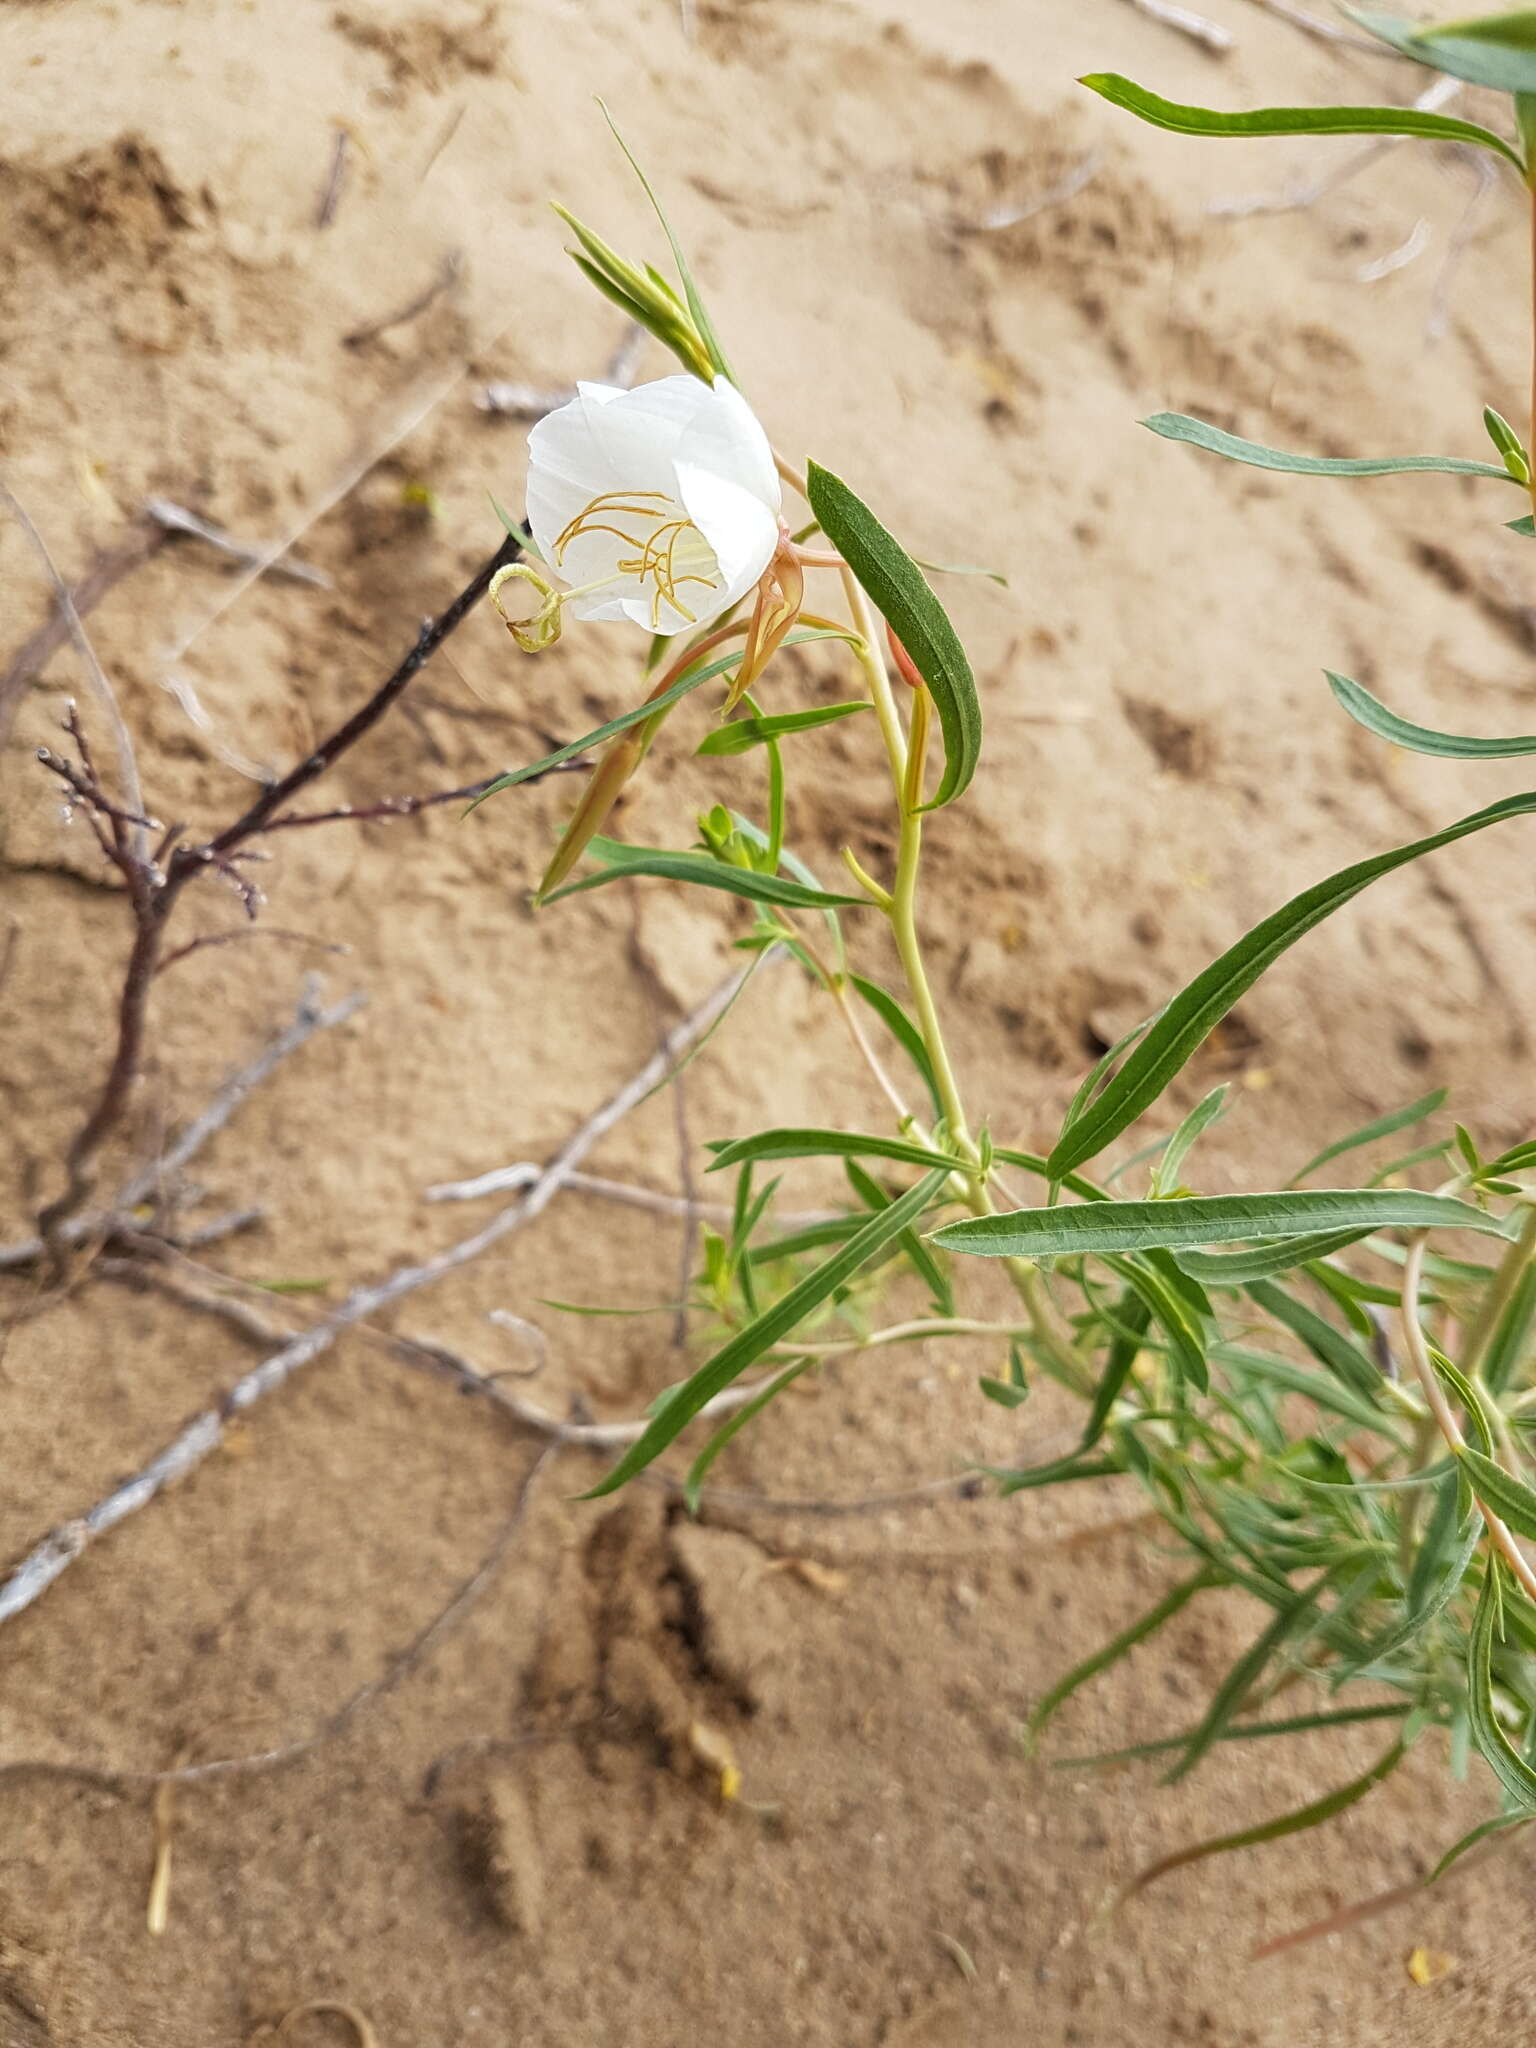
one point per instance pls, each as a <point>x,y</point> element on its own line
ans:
<point>1003,1392</point>
<point>1059,1473</point>
<point>741,734</point>
<point>1205,1219</point>
<point>1036,1163</point>
<point>903,1030</point>
<point>1370,712</point>
<point>1178,426</point>
<point>1339,1396</point>
<point>1188,1019</point>
<point>1379,1127</point>
<point>1241,1731</point>
<point>1509,1345</point>
<point>820,1144</point>
<point>1239,1681</point>
<point>1310,1816</point>
<point>770,1328</point>
<point>698,1471</point>
<point>900,594</point>
<point>640,713</point>
<point>1326,1344</point>
<point>1237,1269</point>
<point>927,1267</point>
<point>1458,48</point>
<point>583,1308</point>
<point>960,569</point>
<point>1498,1752</point>
<point>618,860</point>
<point>1134,1315</point>
<point>1161,113</point>
<point>1180,1324</point>
<point>1496,1826</point>
<point>701,319</point>
<point>1177,1150</point>
<point>809,1238</point>
<point>1510,1498</point>
<point>1117,1647</point>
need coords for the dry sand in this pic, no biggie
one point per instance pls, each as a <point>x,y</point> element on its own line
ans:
<point>516,1844</point>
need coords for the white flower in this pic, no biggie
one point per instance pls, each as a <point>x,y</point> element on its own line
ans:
<point>659,505</point>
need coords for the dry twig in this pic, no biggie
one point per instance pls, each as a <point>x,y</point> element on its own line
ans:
<point>397,1668</point>
<point>1217,40</point>
<point>532,402</point>
<point>154,1179</point>
<point>330,197</point>
<point>56,1552</point>
<point>447,275</point>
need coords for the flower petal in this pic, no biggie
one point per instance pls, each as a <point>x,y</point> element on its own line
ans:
<point>726,438</point>
<point>741,530</point>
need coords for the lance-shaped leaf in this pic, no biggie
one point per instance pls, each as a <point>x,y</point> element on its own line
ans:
<point>903,1030</point>
<point>821,1144</point>
<point>1183,1026</point>
<point>1370,712</point>
<point>770,1328</point>
<point>1117,1647</point>
<point>901,595</point>
<point>1379,1127</point>
<point>1238,1269</point>
<point>1061,1232</point>
<point>1511,1499</point>
<point>1511,1769</point>
<point>636,716</point>
<point>618,860</point>
<point>1179,426</point>
<point>741,734</point>
<point>1309,1816</point>
<point>1483,52</point>
<point>1161,113</point>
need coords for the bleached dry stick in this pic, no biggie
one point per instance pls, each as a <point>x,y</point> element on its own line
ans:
<point>1187,22</point>
<point>289,1752</point>
<point>1296,198</point>
<point>106,696</point>
<point>504,1178</point>
<point>50,1558</point>
<point>1325,31</point>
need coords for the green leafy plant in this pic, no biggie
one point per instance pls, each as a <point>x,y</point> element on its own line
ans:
<point>1326,1414</point>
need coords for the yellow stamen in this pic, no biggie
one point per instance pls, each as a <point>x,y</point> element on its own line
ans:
<point>655,557</point>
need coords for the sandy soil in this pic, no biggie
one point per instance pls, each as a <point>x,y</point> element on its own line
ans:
<point>516,1843</point>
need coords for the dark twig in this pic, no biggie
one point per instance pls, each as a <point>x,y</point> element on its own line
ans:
<point>408,806</point>
<point>432,635</point>
<point>447,274</point>
<point>177,519</point>
<point>106,1227</point>
<point>153,893</point>
<point>205,940</point>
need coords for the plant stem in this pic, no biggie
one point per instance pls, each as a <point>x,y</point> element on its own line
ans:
<point>1434,1394</point>
<point>902,913</point>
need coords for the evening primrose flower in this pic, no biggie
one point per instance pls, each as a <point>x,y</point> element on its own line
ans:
<point>658,505</point>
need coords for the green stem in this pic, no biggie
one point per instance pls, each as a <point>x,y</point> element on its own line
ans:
<point>902,913</point>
